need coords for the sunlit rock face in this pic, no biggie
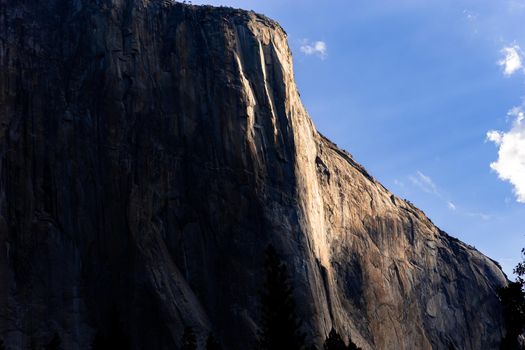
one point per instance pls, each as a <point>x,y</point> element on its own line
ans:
<point>150,151</point>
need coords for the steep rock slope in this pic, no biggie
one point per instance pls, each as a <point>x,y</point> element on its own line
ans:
<point>150,151</point>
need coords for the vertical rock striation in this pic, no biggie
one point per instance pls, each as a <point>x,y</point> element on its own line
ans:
<point>150,151</point>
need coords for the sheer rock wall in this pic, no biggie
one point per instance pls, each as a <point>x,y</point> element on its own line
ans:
<point>150,151</point>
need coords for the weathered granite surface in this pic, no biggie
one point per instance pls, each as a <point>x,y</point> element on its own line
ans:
<point>150,151</point>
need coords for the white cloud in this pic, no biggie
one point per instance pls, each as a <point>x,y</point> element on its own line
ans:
<point>399,183</point>
<point>470,15</point>
<point>482,216</point>
<point>317,48</point>
<point>424,182</point>
<point>516,5</point>
<point>512,61</point>
<point>510,165</point>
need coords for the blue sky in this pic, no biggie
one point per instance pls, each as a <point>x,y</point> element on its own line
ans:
<point>426,95</point>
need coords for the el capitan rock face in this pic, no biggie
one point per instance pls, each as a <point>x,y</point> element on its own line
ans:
<point>150,151</point>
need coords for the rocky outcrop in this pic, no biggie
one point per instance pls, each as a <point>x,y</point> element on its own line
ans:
<point>150,151</point>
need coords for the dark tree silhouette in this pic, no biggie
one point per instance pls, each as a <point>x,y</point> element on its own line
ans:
<point>2,346</point>
<point>512,299</point>
<point>519,270</point>
<point>280,327</point>
<point>189,340</point>
<point>513,302</point>
<point>98,342</point>
<point>113,338</point>
<point>55,343</point>
<point>212,343</point>
<point>334,341</point>
<point>352,346</point>
<point>311,347</point>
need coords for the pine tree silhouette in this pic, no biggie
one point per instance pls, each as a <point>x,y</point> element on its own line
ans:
<point>2,346</point>
<point>189,340</point>
<point>114,338</point>
<point>334,341</point>
<point>280,327</point>
<point>212,343</point>
<point>99,342</point>
<point>352,346</point>
<point>55,343</point>
<point>311,347</point>
<point>512,299</point>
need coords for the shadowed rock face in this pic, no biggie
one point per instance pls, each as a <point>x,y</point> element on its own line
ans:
<point>151,151</point>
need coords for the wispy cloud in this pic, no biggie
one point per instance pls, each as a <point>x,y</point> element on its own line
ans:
<point>424,182</point>
<point>510,165</point>
<point>512,60</point>
<point>482,216</point>
<point>516,5</point>
<point>317,48</point>
<point>398,183</point>
<point>470,15</point>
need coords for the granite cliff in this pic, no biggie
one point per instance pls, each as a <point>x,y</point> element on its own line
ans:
<point>150,151</point>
